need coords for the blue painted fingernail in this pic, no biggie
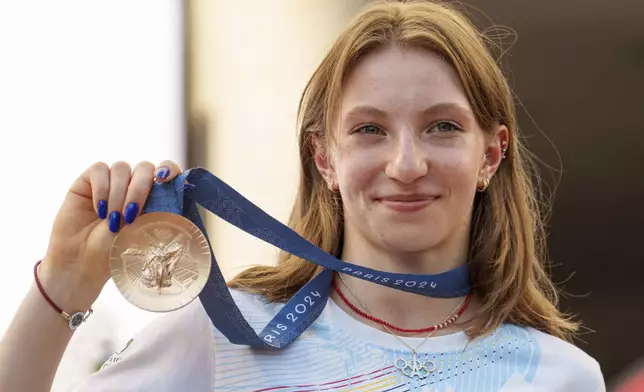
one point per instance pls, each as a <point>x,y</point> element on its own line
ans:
<point>102,209</point>
<point>131,211</point>
<point>163,173</point>
<point>115,221</point>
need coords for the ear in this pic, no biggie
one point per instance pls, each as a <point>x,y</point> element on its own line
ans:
<point>495,151</point>
<point>323,161</point>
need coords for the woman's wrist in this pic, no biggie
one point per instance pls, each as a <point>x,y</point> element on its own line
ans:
<point>68,292</point>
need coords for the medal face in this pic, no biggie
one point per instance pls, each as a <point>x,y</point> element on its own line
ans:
<point>160,262</point>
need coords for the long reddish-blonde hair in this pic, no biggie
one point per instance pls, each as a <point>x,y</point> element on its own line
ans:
<point>507,245</point>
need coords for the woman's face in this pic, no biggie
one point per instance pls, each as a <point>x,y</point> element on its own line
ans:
<point>409,152</point>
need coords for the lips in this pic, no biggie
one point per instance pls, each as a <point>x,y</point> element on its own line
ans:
<point>407,202</point>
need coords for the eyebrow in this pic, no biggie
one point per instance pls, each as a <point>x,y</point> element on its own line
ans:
<point>449,106</point>
<point>440,107</point>
<point>367,110</point>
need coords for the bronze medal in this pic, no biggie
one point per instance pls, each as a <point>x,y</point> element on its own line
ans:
<point>160,262</point>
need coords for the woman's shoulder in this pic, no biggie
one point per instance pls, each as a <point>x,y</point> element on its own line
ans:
<point>170,330</point>
<point>172,352</point>
<point>564,360</point>
<point>255,308</point>
<point>564,350</point>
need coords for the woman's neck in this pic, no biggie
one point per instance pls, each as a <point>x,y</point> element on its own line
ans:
<point>402,309</point>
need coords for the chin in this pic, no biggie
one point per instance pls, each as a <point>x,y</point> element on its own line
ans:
<point>410,239</point>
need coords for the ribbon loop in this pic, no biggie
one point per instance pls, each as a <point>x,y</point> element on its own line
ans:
<point>198,186</point>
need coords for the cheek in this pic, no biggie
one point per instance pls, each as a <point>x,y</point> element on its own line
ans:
<point>459,176</point>
<point>459,173</point>
<point>355,170</point>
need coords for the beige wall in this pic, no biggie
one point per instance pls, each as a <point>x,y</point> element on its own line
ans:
<point>250,62</point>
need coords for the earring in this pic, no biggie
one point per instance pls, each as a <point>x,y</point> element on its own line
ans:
<point>504,148</point>
<point>482,187</point>
<point>331,185</point>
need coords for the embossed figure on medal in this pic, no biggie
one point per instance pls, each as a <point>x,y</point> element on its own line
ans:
<point>160,263</point>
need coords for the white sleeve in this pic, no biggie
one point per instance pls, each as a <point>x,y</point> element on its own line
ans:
<point>174,353</point>
<point>597,378</point>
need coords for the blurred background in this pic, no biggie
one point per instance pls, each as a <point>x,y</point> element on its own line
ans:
<point>216,83</point>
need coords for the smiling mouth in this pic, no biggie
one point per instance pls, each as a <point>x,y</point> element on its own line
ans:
<point>407,203</point>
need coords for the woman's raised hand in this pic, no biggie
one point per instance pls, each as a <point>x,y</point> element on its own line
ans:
<point>100,201</point>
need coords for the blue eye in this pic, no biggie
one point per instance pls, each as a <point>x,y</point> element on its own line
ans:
<point>369,130</point>
<point>445,126</point>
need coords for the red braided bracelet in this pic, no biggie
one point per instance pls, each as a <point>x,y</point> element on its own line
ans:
<point>75,319</point>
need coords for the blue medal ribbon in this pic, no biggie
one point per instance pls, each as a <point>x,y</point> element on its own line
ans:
<point>198,186</point>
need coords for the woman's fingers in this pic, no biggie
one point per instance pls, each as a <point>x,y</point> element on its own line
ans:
<point>117,192</point>
<point>119,182</point>
<point>167,171</point>
<point>97,177</point>
<point>138,190</point>
<point>140,183</point>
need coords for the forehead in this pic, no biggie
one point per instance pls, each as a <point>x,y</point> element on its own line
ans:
<point>402,79</point>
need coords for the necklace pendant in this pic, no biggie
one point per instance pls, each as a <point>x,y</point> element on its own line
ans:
<point>414,367</point>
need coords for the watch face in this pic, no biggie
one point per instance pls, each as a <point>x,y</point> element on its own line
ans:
<point>76,320</point>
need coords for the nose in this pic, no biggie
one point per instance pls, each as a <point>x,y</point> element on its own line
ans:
<point>408,162</point>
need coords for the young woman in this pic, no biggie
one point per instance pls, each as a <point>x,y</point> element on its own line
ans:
<point>411,163</point>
